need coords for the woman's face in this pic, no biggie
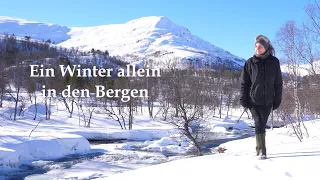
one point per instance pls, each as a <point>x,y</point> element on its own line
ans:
<point>260,49</point>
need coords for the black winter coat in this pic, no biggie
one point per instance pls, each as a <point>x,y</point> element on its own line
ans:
<point>261,82</point>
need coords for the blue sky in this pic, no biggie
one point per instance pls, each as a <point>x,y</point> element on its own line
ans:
<point>229,24</point>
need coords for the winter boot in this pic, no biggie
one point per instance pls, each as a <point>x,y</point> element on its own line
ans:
<point>263,146</point>
<point>258,144</point>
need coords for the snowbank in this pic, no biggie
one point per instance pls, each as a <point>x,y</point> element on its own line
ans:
<point>165,145</point>
<point>228,123</point>
<point>18,148</point>
<point>168,144</point>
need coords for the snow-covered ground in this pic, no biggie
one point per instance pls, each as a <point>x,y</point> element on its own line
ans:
<point>59,147</point>
<point>288,158</point>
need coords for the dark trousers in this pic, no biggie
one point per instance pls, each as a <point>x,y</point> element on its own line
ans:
<point>260,116</point>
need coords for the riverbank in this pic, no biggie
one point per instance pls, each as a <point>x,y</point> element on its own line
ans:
<point>52,140</point>
<point>17,148</point>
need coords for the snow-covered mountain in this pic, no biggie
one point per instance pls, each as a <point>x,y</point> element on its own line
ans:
<point>303,69</point>
<point>37,30</point>
<point>153,36</point>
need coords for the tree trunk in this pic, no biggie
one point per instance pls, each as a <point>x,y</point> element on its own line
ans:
<point>89,120</point>
<point>272,120</point>
<point>49,108</point>
<point>71,108</point>
<point>176,110</point>
<point>228,110</point>
<point>1,97</point>
<point>16,104</point>
<point>130,116</point>
<point>79,114</point>
<point>150,108</point>
<point>46,105</point>
<point>189,135</point>
<point>220,106</point>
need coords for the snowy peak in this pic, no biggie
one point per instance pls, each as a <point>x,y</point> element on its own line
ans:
<point>155,22</point>
<point>151,21</point>
<point>164,22</point>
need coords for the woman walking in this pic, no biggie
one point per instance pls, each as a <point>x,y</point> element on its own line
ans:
<point>261,88</point>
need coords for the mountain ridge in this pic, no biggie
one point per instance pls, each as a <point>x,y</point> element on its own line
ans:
<point>150,36</point>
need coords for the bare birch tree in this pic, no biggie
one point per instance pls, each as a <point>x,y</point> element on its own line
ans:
<point>288,39</point>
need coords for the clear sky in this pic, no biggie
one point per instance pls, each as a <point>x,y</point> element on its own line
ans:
<point>229,24</point>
